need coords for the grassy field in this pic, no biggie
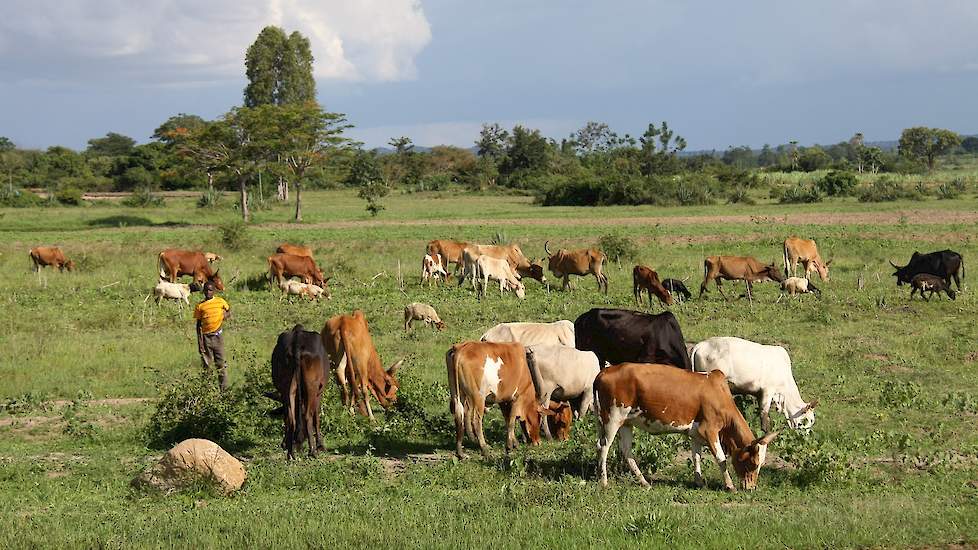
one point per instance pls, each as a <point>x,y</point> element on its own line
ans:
<point>892,462</point>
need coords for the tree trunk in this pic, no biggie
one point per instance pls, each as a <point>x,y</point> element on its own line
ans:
<point>210,184</point>
<point>298,201</point>
<point>244,198</point>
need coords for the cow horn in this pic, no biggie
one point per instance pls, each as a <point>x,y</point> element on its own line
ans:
<point>808,407</point>
<point>546,248</point>
<point>393,369</point>
<point>765,439</point>
<point>895,266</point>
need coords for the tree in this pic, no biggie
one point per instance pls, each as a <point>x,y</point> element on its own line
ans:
<point>365,174</point>
<point>813,158</point>
<point>926,144</point>
<point>871,157</point>
<point>112,145</point>
<point>176,124</point>
<point>594,137</point>
<point>526,153</point>
<point>970,144</point>
<point>279,69</point>
<point>10,160</point>
<point>660,146</point>
<point>492,141</point>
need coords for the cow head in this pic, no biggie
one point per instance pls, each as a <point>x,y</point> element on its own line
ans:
<point>804,418</point>
<point>534,271</point>
<point>216,279</point>
<point>559,417</point>
<point>325,287</point>
<point>951,293</point>
<point>903,274</point>
<point>748,460</point>
<point>384,384</point>
<point>440,325</point>
<point>517,287</point>
<point>822,269</point>
<point>772,273</point>
<point>70,265</point>
<point>317,278</point>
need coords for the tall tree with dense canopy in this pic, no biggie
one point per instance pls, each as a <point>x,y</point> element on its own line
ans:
<point>279,69</point>
<point>112,145</point>
<point>926,144</point>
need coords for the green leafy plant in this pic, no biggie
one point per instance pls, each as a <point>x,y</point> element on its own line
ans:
<point>235,235</point>
<point>617,247</point>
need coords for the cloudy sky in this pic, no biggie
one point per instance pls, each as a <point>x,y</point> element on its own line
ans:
<point>721,73</point>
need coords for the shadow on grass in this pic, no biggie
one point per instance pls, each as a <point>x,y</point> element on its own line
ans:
<point>131,221</point>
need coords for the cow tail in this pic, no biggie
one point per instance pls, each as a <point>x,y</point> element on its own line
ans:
<point>293,404</point>
<point>534,374</point>
<point>786,274</point>
<point>354,373</point>
<point>161,265</point>
<point>455,403</point>
<point>597,412</point>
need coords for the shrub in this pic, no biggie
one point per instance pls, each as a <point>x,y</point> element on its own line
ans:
<point>800,193</point>
<point>739,195</point>
<point>18,198</point>
<point>234,234</point>
<point>70,196</point>
<point>952,189</point>
<point>211,198</point>
<point>812,460</point>
<point>837,183</point>
<point>618,247</point>
<point>143,197</point>
<point>886,189</point>
<point>435,182</point>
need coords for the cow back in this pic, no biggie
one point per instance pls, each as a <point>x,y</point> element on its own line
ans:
<point>619,336</point>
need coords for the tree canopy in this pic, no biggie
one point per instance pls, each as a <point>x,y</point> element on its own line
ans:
<point>279,69</point>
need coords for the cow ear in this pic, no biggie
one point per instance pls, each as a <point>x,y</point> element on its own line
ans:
<point>326,280</point>
<point>766,439</point>
<point>828,263</point>
<point>545,411</point>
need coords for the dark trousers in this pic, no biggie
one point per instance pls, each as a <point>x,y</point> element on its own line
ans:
<point>211,348</point>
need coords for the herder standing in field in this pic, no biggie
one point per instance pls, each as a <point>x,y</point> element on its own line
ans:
<point>211,314</point>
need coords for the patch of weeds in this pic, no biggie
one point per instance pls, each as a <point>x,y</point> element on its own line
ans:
<point>411,414</point>
<point>896,394</point>
<point>961,402</point>
<point>499,238</point>
<point>75,424</point>
<point>653,523</point>
<point>234,235</point>
<point>813,462</point>
<point>618,247</point>
<point>25,403</point>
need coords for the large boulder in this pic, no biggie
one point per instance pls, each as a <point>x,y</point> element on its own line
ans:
<point>191,461</point>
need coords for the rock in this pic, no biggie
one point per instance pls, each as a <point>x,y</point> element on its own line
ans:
<point>191,461</point>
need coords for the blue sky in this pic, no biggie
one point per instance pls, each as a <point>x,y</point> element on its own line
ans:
<point>721,73</point>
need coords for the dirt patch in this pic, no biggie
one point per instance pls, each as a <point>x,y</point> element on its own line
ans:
<point>24,423</point>
<point>897,369</point>
<point>111,402</point>
<point>876,356</point>
<point>394,466</point>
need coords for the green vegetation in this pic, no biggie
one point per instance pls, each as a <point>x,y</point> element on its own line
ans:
<point>891,462</point>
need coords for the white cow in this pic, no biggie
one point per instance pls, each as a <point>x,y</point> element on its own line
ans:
<point>758,370</point>
<point>298,288</point>
<point>798,285</point>
<point>562,373</point>
<point>487,268</point>
<point>172,291</point>
<point>432,269</point>
<point>559,333</point>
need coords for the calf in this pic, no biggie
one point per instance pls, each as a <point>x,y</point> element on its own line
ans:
<point>481,372</point>
<point>432,269</point>
<point>645,278</point>
<point>482,268</point>
<point>798,285</point>
<point>296,288</point>
<point>662,399</point>
<point>299,374</point>
<point>925,281</point>
<point>677,288</point>
<point>758,370</point>
<point>450,251</point>
<point>559,333</point>
<point>421,312</point>
<point>945,263</point>
<point>557,420</point>
<point>43,256</point>
<point>562,373</point>
<point>804,251</point>
<point>172,291</point>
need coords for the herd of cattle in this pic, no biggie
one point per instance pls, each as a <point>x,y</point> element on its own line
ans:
<point>633,369</point>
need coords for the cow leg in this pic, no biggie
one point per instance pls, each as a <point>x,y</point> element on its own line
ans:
<point>566,284</point>
<point>721,458</point>
<point>318,419</point>
<point>461,425</point>
<point>720,288</point>
<point>625,448</point>
<point>509,414</point>
<point>479,410</point>
<point>606,436</point>
<point>341,381</point>
<point>637,291</point>
<point>365,395</point>
<point>764,403</point>
<point>696,445</point>
<point>544,403</point>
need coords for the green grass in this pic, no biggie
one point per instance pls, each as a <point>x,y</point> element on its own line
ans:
<point>895,431</point>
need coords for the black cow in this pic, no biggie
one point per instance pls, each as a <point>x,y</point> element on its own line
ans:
<point>620,335</point>
<point>945,264</point>
<point>676,286</point>
<point>299,373</point>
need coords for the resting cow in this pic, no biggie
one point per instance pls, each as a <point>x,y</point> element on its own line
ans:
<point>620,335</point>
<point>174,262</point>
<point>561,373</point>
<point>758,370</point>
<point>660,399</point>
<point>172,291</point>
<point>737,268</point>
<point>299,374</point>
<point>43,256</point>
<point>296,288</point>
<point>798,285</point>
<point>558,333</point>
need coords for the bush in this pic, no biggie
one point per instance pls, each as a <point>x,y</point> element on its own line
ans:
<point>435,182</point>
<point>739,195</point>
<point>70,196</point>
<point>813,462</point>
<point>800,193</point>
<point>211,198</point>
<point>618,247</point>
<point>837,183</point>
<point>886,189</point>
<point>952,189</point>
<point>18,198</point>
<point>143,197</point>
<point>234,235</point>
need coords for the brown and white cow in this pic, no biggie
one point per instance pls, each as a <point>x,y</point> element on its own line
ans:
<point>645,278</point>
<point>174,262</point>
<point>432,269</point>
<point>299,373</point>
<point>512,253</point>
<point>565,263</point>
<point>294,249</point>
<point>804,251</point>
<point>737,268</point>
<point>451,251</point>
<point>481,372</point>
<point>663,399</point>
<point>355,360</point>
<point>284,266</point>
<point>43,256</point>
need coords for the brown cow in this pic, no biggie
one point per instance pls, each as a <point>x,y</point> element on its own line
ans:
<point>299,373</point>
<point>565,263</point>
<point>284,266</point>
<point>174,262</point>
<point>294,249</point>
<point>804,251</point>
<point>645,278</point>
<point>495,372</point>
<point>511,253</point>
<point>354,358</point>
<point>451,252</point>
<point>559,417</point>
<point>663,399</point>
<point>43,256</point>
<point>737,268</point>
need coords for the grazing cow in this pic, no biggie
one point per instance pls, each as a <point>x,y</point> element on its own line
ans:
<point>511,253</point>
<point>353,357</point>
<point>737,268</point>
<point>294,249</point>
<point>297,288</point>
<point>565,263</point>
<point>422,312</point>
<point>432,269</point>
<point>620,335</point>
<point>804,251</point>
<point>945,264</point>
<point>172,291</point>
<point>562,374</point>
<point>482,268</point>
<point>481,372</point>
<point>678,289</point>
<point>557,420</point>
<point>758,370</point>
<point>660,399</point>
<point>798,285</point>
<point>212,257</point>
<point>299,373</point>
<point>925,281</point>
<point>450,251</point>
<point>645,278</point>
<point>43,256</point>
<point>560,333</point>
<point>174,262</point>
<point>284,266</point>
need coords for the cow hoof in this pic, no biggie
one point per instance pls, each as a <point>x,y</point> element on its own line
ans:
<point>731,489</point>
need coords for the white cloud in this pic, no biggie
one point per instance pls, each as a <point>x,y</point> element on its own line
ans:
<point>172,41</point>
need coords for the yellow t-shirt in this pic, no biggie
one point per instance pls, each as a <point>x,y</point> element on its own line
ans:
<point>211,314</point>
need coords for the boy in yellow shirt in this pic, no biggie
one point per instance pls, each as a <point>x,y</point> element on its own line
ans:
<point>211,314</point>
